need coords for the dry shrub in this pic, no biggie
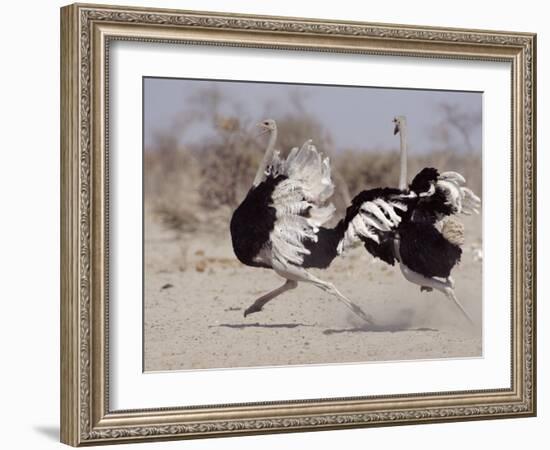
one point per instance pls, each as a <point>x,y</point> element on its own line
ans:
<point>467,164</point>
<point>365,170</point>
<point>199,185</point>
<point>368,169</point>
<point>228,163</point>
<point>187,189</point>
<point>230,158</point>
<point>171,175</point>
<point>294,130</point>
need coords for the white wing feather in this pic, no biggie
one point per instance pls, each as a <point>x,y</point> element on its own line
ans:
<point>379,216</point>
<point>374,217</point>
<point>299,201</point>
<point>462,199</point>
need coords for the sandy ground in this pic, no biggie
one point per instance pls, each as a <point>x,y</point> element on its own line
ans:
<point>196,292</point>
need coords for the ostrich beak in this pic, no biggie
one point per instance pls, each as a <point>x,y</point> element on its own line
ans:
<point>396,128</point>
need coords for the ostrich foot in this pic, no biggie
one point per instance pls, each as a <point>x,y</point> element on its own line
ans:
<point>360,313</point>
<point>426,288</point>
<point>442,286</point>
<point>260,302</point>
<point>252,309</point>
<point>450,293</point>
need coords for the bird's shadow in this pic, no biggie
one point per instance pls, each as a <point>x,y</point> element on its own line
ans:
<point>262,325</point>
<point>386,328</point>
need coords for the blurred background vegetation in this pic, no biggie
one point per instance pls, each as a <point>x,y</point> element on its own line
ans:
<point>191,184</point>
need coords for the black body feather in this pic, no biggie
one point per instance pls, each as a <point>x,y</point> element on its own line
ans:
<point>323,252</point>
<point>423,248</point>
<point>423,179</point>
<point>383,250</point>
<point>431,208</point>
<point>253,221</point>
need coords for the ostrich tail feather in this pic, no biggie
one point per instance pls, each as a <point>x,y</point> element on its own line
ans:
<point>453,231</point>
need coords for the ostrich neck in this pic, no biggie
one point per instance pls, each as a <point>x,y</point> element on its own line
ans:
<point>403,142</point>
<point>268,157</point>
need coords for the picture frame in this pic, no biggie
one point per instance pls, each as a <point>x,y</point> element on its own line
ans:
<point>87,32</point>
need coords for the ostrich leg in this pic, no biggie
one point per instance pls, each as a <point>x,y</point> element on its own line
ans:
<point>446,287</point>
<point>442,286</point>
<point>451,282</point>
<point>260,302</point>
<point>300,274</point>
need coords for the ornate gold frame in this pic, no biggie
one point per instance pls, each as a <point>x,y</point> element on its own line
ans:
<point>86,31</point>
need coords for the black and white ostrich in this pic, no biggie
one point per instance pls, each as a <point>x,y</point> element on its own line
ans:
<point>279,223</point>
<point>413,225</point>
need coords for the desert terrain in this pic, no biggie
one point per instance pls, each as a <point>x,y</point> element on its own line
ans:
<point>196,292</point>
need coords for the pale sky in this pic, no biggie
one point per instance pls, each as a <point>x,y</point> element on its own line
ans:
<point>357,117</point>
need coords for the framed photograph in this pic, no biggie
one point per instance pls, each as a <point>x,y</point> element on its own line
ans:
<point>275,224</point>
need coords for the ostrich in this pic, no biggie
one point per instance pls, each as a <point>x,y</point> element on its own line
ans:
<point>413,225</point>
<point>278,224</point>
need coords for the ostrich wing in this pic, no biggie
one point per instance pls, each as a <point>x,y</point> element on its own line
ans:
<point>372,219</point>
<point>459,196</point>
<point>450,197</point>
<point>299,202</point>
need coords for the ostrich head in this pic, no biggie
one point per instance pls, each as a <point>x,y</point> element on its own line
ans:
<point>267,126</point>
<point>399,122</point>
